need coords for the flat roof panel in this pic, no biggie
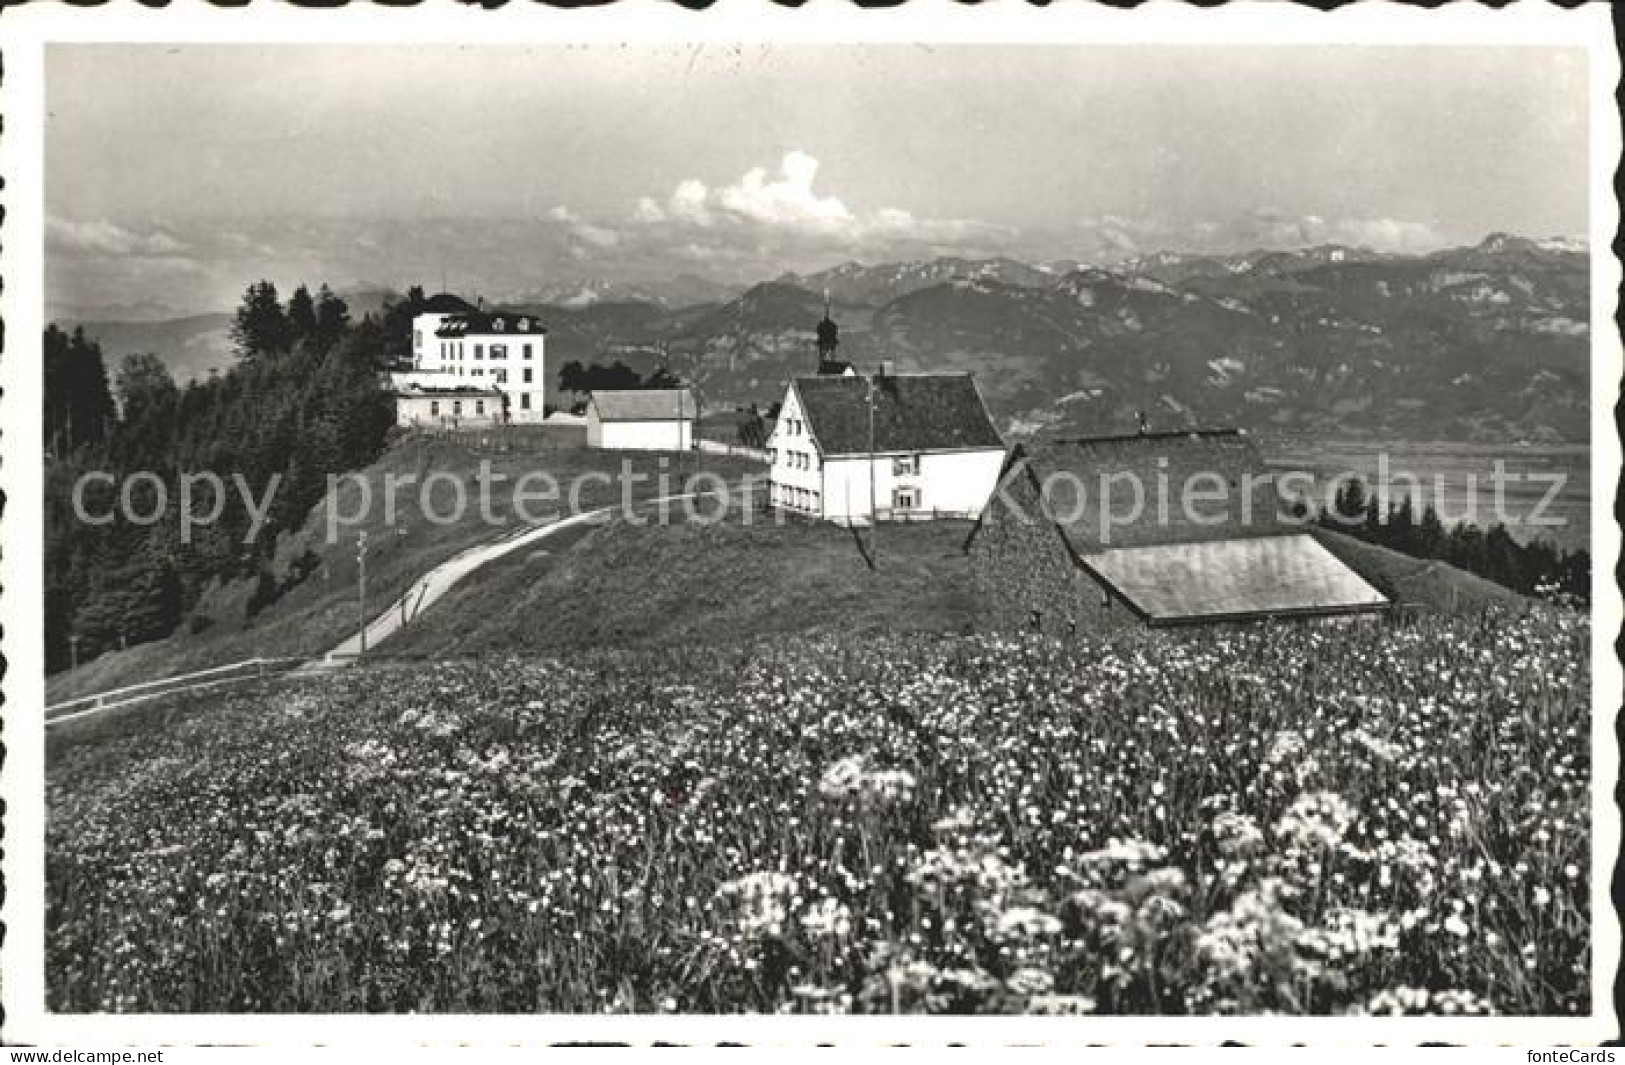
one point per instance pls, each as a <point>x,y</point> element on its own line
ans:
<point>1255,576</point>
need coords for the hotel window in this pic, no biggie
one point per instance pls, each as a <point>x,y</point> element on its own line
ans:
<point>524,401</point>
<point>527,369</point>
<point>479,351</point>
<point>479,406</point>
<point>476,372</point>
<point>501,376</point>
<point>499,351</point>
<point>905,465</point>
<point>527,351</point>
<point>906,498</point>
<point>500,324</point>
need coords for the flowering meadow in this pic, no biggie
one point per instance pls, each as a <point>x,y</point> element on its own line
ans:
<point>1385,818</point>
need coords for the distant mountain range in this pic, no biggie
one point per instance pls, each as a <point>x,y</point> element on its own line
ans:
<point>1487,342</point>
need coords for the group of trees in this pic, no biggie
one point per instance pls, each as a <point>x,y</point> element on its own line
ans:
<point>574,377</point>
<point>78,408</point>
<point>1535,568</point>
<point>301,402</point>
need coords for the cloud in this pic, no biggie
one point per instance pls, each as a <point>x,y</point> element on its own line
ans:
<point>783,212</point>
<point>1388,234</point>
<point>597,236</point>
<point>788,199</point>
<point>584,231</point>
<point>1110,237</point>
<point>107,238</point>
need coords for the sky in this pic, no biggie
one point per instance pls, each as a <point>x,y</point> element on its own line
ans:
<point>178,174</point>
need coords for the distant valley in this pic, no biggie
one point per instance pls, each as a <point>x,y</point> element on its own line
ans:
<point>1484,343</point>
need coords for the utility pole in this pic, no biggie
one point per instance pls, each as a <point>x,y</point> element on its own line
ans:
<point>874,515</point>
<point>361,584</point>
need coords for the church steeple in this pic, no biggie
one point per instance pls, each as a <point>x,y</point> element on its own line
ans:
<point>829,334</point>
<point>829,338</point>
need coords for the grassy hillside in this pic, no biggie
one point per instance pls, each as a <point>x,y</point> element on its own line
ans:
<point>1421,584</point>
<point>1156,823</point>
<point>627,586</point>
<point>319,611</point>
<point>678,585</point>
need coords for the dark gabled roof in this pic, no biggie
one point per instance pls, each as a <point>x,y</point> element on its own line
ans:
<point>913,413</point>
<point>446,303</point>
<point>465,323</point>
<point>1105,491</point>
<point>644,405</point>
<point>1257,576</point>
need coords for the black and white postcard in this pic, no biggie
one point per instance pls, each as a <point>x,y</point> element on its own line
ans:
<point>1068,525</point>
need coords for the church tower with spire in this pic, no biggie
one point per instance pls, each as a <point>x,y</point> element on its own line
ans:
<point>829,338</point>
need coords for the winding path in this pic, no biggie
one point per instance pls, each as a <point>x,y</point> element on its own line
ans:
<point>429,588</point>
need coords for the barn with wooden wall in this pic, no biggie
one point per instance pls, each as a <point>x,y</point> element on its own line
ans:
<point>1156,529</point>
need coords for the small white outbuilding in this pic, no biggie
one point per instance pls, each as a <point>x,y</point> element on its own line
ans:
<point>645,419</point>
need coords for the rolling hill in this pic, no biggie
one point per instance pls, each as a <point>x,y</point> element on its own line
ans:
<point>1482,343</point>
<point>1488,342</point>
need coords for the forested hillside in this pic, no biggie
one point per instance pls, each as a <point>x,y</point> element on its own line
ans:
<point>301,402</point>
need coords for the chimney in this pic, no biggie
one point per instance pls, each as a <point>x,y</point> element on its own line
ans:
<point>479,301</point>
<point>887,369</point>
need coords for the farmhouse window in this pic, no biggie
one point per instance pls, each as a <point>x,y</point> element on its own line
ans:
<point>905,465</point>
<point>434,408</point>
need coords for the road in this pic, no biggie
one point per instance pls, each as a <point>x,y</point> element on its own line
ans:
<point>431,586</point>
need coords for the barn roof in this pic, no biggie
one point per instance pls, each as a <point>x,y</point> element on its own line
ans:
<point>1110,491</point>
<point>1227,579</point>
<point>913,413</point>
<point>644,404</point>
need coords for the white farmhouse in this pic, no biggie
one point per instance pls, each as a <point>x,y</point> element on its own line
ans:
<point>646,419</point>
<point>455,345</point>
<point>933,450</point>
